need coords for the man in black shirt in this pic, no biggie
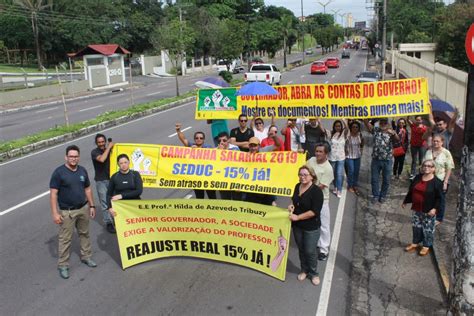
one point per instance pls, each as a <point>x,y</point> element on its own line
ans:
<point>70,188</point>
<point>100,159</point>
<point>240,135</point>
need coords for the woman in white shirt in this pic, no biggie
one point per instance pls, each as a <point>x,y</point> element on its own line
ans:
<point>337,156</point>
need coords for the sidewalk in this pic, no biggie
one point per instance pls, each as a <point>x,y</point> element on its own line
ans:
<point>385,279</point>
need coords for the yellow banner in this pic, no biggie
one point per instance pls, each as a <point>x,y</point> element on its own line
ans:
<point>163,166</point>
<point>389,98</point>
<point>251,235</point>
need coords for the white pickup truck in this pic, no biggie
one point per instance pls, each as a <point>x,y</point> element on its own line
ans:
<point>268,73</point>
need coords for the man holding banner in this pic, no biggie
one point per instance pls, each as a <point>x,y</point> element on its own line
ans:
<point>381,157</point>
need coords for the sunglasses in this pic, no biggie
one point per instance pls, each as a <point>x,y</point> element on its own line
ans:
<point>223,140</point>
<point>198,137</point>
<point>258,123</point>
<point>243,120</point>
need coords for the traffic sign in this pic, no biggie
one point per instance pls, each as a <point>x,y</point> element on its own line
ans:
<point>470,44</point>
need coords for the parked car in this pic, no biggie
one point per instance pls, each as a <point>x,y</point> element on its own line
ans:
<point>345,54</point>
<point>309,51</point>
<point>368,74</point>
<point>332,62</point>
<point>234,66</point>
<point>268,73</point>
<point>319,67</point>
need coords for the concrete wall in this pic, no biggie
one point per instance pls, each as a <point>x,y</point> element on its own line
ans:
<point>43,92</point>
<point>148,62</point>
<point>115,70</point>
<point>444,83</point>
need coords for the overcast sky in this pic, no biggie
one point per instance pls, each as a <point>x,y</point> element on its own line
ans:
<point>356,7</point>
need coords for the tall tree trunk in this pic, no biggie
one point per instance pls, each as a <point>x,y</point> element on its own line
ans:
<point>284,51</point>
<point>34,25</point>
<point>461,292</point>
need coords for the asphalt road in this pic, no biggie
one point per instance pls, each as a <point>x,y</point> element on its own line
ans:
<point>177,286</point>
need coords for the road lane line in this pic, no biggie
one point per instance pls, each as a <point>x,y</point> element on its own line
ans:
<point>183,130</point>
<point>187,197</point>
<point>328,273</point>
<point>51,109</point>
<point>302,76</point>
<point>290,82</point>
<point>23,203</point>
<point>333,76</point>
<point>326,81</point>
<point>86,136</point>
<point>154,93</point>
<point>91,108</point>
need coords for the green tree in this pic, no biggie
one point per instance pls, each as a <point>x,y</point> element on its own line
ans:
<point>287,31</point>
<point>176,37</point>
<point>227,44</point>
<point>454,21</point>
<point>34,7</point>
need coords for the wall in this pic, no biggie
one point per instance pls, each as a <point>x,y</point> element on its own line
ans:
<point>445,83</point>
<point>43,92</point>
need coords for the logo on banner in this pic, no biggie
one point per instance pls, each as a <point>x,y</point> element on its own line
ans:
<point>218,100</point>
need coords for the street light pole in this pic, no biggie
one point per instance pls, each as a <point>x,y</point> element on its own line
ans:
<point>324,4</point>
<point>336,14</point>
<point>302,29</point>
<point>384,37</point>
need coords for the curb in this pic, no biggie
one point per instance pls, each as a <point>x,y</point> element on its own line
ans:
<point>88,130</point>
<point>442,270</point>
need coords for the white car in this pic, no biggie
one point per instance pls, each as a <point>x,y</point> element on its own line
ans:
<point>268,73</point>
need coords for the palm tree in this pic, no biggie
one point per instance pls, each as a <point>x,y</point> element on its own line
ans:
<point>287,28</point>
<point>34,7</point>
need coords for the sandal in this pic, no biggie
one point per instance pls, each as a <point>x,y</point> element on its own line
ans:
<point>424,251</point>
<point>411,248</point>
<point>315,280</point>
<point>302,276</point>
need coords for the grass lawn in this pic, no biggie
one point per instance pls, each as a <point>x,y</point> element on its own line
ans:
<point>28,68</point>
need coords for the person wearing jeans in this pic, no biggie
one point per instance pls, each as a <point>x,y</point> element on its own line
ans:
<point>337,155</point>
<point>354,145</point>
<point>417,143</point>
<point>101,161</point>
<point>384,136</point>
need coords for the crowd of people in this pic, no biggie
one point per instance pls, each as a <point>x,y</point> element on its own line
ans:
<point>331,155</point>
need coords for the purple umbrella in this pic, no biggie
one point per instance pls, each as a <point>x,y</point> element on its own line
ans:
<point>441,106</point>
<point>211,83</point>
<point>256,89</point>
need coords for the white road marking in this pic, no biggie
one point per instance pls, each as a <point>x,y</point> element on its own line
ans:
<point>46,110</point>
<point>187,197</point>
<point>74,140</point>
<point>183,130</point>
<point>91,108</point>
<point>87,136</point>
<point>333,76</point>
<point>328,273</point>
<point>302,76</point>
<point>24,203</point>
<point>154,93</point>
<point>290,82</point>
<point>326,81</point>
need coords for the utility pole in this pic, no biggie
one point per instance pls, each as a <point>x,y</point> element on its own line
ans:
<point>384,37</point>
<point>302,30</point>
<point>342,20</point>
<point>461,289</point>
<point>336,14</point>
<point>324,5</point>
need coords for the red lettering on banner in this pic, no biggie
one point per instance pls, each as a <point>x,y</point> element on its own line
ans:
<point>393,88</point>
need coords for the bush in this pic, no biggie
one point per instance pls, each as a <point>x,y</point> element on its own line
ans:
<point>226,75</point>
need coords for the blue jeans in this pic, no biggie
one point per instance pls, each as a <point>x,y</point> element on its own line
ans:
<point>307,241</point>
<point>353,167</point>
<point>442,206</point>
<point>380,166</point>
<point>102,187</point>
<point>338,169</point>
<point>416,151</point>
